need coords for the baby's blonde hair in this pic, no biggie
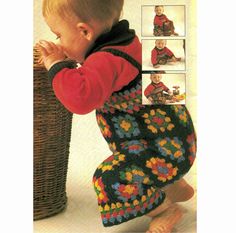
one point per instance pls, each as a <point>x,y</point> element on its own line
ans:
<point>86,10</point>
<point>159,6</point>
<point>165,41</point>
<point>152,75</point>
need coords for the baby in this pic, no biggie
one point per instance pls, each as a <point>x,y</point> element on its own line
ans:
<point>152,147</point>
<point>155,91</point>
<point>161,54</point>
<point>162,25</point>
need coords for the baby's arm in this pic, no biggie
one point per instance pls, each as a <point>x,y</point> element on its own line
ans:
<point>166,89</point>
<point>154,59</point>
<point>171,55</point>
<point>88,87</point>
<point>154,20</point>
<point>148,91</point>
<point>165,18</point>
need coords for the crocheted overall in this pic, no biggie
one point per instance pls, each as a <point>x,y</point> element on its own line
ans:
<point>152,146</point>
<point>167,29</point>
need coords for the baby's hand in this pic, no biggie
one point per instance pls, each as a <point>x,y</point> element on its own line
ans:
<point>175,59</point>
<point>170,92</point>
<point>150,99</point>
<point>51,53</point>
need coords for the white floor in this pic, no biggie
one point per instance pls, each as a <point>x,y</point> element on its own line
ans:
<point>88,150</point>
<point>172,66</point>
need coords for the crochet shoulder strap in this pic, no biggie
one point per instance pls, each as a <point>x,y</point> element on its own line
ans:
<point>124,55</point>
<point>131,60</point>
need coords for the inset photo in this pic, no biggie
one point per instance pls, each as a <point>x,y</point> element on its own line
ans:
<point>162,54</point>
<point>163,20</point>
<point>161,88</point>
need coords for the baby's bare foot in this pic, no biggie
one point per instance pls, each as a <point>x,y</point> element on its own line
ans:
<point>165,221</point>
<point>156,66</point>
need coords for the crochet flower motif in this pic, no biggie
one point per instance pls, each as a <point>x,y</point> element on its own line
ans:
<point>110,162</point>
<point>135,174</point>
<point>164,171</point>
<point>157,120</point>
<point>99,189</point>
<point>126,126</point>
<point>104,127</point>
<point>135,178</point>
<point>192,149</point>
<point>127,192</point>
<point>134,146</point>
<point>180,111</point>
<point>171,148</point>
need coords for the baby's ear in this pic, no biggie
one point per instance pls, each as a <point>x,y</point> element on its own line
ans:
<point>85,30</point>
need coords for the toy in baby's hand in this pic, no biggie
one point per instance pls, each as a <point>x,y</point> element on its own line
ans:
<point>161,54</point>
<point>162,25</point>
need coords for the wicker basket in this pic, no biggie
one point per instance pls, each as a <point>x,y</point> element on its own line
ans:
<point>52,131</point>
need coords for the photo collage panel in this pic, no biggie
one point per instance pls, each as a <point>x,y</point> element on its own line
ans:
<point>163,30</point>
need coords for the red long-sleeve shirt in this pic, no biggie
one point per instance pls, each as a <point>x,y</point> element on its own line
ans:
<point>160,19</point>
<point>86,88</point>
<point>158,54</point>
<point>153,86</point>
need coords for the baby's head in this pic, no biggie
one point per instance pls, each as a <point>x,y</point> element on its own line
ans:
<point>77,23</point>
<point>105,12</point>
<point>160,43</point>
<point>156,77</point>
<point>159,10</point>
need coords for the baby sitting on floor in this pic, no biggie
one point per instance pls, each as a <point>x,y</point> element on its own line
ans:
<point>162,25</point>
<point>161,54</point>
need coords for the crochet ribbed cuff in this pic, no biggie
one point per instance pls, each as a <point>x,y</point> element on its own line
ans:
<point>59,66</point>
